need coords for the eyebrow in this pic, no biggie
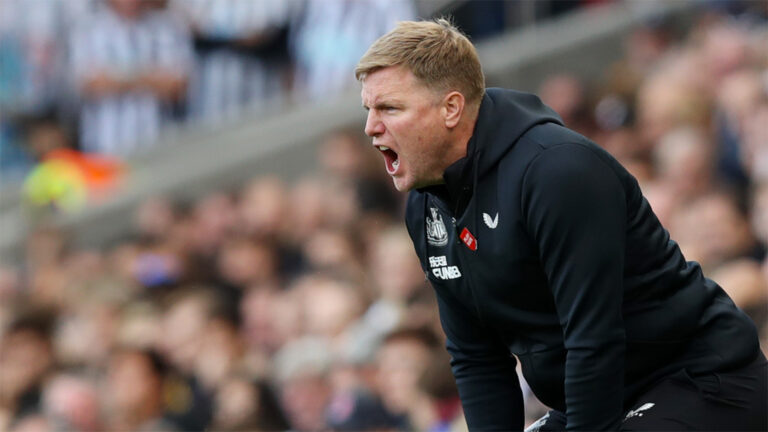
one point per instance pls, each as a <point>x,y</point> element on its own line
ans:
<point>383,104</point>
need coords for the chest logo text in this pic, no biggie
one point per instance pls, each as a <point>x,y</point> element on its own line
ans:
<point>442,270</point>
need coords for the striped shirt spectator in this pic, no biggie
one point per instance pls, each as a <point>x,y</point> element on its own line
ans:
<point>331,35</point>
<point>233,72</point>
<point>130,62</point>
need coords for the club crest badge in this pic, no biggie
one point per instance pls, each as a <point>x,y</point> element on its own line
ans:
<point>437,235</point>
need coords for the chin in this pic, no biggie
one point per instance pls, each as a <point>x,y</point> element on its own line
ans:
<point>401,188</point>
<point>402,185</point>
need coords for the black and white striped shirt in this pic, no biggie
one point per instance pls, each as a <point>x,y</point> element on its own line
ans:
<point>119,124</point>
<point>227,80</point>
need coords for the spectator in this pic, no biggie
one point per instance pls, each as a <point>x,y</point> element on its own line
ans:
<point>73,400</point>
<point>29,45</point>
<point>135,392</point>
<point>745,283</point>
<point>685,163</point>
<point>302,368</point>
<point>130,63</point>
<point>241,54</point>
<point>740,95</point>
<point>263,208</point>
<point>26,358</point>
<point>244,405</point>
<point>403,358</point>
<point>330,35</point>
<point>188,312</point>
<point>564,93</point>
<point>345,159</point>
<point>713,230</point>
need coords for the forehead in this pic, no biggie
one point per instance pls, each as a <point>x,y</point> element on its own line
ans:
<point>394,82</point>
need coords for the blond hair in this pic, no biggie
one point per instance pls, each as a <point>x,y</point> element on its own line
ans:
<point>437,54</point>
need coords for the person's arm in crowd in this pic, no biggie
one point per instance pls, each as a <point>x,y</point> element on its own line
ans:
<point>575,208</point>
<point>98,84</point>
<point>167,85</point>
<point>484,371</point>
<point>167,77</point>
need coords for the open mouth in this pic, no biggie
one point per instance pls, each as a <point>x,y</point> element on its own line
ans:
<point>391,160</point>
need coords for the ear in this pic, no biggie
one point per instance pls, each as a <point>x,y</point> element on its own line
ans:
<point>453,107</point>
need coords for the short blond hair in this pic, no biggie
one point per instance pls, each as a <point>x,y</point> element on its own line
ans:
<point>437,54</point>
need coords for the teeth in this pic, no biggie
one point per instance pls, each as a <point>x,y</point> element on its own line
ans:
<point>396,164</point>
<point>383,148</point>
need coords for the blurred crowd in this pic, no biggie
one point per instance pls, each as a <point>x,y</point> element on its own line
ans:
<point>302,305</point>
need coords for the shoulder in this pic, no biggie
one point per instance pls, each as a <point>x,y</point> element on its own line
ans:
<point>544,143</point>
<point>555,151</point>
<point>414,209</point>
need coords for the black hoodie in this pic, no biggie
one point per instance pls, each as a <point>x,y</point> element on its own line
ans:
<point>540,244</point>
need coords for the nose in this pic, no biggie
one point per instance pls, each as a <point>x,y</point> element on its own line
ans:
<point>373,125</point>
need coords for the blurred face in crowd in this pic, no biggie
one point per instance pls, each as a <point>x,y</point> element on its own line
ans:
<point>564,94</point>
<point>744,282</point>
<point>304,398</point>
<point>214,216</point>
<point>134,387</point>
<point>400,365</point>
<point>236,405</point>
<point>685,162</point>
<point>155,218</point>
<point>127,8</point>
<point>759,218</point>
<point>25,356</point>
<point>219,353</point>
<point>713,229</point>
<point>755,150</point>
<point>330,307</point>
<point>330,250</point>
<point>242,262</point>
<point>409,125</point>
<point>74,399</point>
<point>394,265</point>
<point>182,325</point>
<point>342,156</point>
<point>262,207</point>
<point>270,318</point>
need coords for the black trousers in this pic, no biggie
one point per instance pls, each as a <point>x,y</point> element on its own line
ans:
<point>735,400</point>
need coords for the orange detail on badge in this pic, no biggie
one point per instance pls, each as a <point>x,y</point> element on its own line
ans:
<point>468,239</point>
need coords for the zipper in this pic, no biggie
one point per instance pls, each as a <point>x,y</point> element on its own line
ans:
<point>459,253</point>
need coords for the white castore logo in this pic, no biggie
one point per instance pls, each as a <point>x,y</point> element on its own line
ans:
<point>492,223</point>
<point>639,412</point>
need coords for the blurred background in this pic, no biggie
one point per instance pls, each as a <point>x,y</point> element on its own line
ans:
<point>196,235</point>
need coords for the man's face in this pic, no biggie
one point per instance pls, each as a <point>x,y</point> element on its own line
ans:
<point>407,123</point>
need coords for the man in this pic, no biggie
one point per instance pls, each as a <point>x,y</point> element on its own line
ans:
<point>539,244</point>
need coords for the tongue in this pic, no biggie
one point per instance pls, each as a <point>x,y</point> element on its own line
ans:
<point>391,161</point>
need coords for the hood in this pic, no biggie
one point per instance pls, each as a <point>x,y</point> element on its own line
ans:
<point>505,115</point>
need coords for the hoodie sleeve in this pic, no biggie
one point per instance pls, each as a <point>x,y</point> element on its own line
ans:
<point>485,372</point>
<point>575,209</point>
